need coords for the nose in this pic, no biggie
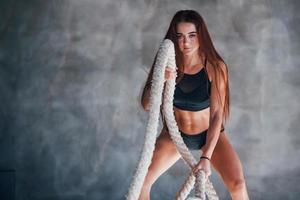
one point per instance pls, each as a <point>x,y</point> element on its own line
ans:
<point>186,41</point>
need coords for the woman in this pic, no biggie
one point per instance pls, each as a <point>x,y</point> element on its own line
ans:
<point>201,106</point>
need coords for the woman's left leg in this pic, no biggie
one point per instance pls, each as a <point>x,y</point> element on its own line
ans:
<point>227,163</point>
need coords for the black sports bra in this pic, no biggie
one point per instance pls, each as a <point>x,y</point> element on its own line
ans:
<point>193,91</point>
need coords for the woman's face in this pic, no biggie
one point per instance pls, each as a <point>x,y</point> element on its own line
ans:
<point>187,38</point>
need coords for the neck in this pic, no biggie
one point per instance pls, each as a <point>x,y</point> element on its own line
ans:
<point>191,60</point>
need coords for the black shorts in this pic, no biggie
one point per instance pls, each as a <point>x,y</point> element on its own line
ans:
<point>195,142</point>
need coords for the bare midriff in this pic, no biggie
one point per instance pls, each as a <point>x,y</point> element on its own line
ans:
<point>192,122</point>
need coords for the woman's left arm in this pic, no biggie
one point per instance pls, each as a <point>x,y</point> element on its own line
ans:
<point>216,110</point>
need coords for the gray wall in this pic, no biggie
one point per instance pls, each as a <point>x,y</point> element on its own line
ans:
<point>70,81</point>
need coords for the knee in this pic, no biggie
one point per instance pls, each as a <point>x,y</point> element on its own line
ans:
<point>237,185</point>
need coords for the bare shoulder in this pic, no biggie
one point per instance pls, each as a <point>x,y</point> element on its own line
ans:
<point>211,72</point>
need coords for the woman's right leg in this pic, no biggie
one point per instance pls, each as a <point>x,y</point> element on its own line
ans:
<point>164,156</point>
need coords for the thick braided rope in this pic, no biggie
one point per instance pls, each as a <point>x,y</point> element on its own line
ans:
<point>166,57</point>
<point>177,139</point>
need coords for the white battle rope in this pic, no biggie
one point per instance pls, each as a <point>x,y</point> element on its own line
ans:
<point>166,57</point>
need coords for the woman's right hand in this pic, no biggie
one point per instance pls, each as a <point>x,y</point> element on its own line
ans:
<point>170,73</point>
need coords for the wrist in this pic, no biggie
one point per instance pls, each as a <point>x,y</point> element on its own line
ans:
<point>205,157</point>
<point>206,153</point>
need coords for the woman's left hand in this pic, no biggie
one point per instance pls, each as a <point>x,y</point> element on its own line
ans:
<point>203,164</point>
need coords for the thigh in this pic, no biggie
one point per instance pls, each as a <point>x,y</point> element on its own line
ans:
<point>226,161</point>
<point>164,156</point>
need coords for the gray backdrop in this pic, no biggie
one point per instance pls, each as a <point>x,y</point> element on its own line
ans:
<point>71,75</point>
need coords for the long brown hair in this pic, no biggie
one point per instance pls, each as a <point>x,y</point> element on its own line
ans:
<point>206,49</point>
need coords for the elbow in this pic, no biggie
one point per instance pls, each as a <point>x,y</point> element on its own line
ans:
<point>145,106</point>
<point>216,116</point>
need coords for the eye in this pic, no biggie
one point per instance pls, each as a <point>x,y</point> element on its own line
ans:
<point>192,35</point>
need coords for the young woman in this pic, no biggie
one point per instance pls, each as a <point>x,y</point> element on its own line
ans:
<point>201,106</point>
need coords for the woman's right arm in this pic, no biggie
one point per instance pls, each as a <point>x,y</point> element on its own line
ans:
<point>169,74</point>
<point>146,96</point>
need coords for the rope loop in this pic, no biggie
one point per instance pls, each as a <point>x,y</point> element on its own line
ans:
<point>166,57</point>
